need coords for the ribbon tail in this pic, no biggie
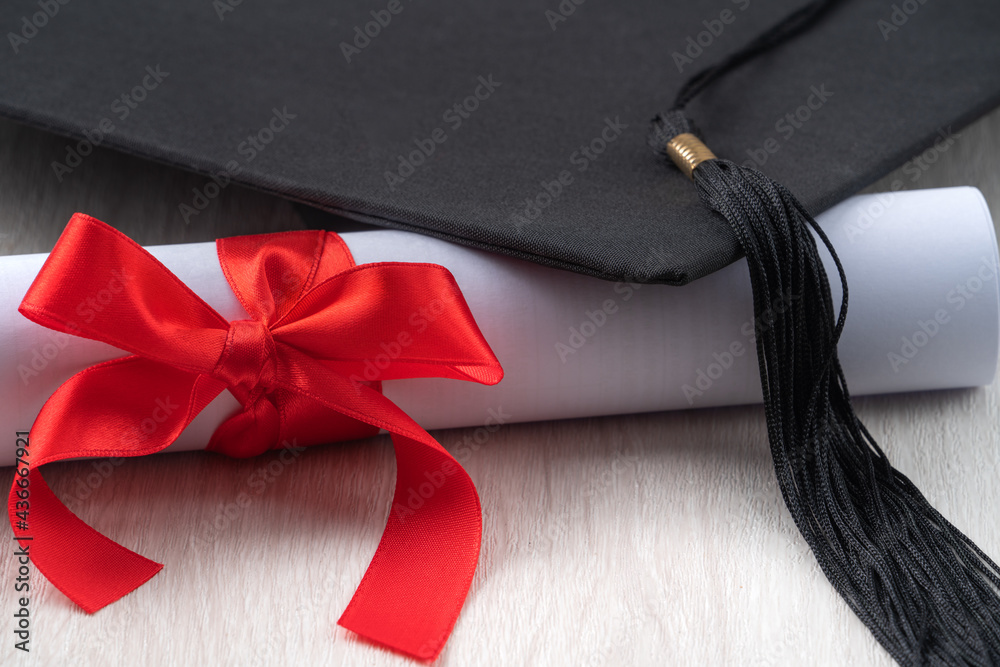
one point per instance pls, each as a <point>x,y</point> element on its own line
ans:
<point>89,568</point>
<point>419,577</point>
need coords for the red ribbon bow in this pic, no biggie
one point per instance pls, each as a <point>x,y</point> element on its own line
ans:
<point>295,365</point>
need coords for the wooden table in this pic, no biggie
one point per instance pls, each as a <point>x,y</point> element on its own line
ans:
<point>649,539</point>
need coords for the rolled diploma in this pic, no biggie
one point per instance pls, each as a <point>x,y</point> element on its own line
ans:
<point>923,314</point>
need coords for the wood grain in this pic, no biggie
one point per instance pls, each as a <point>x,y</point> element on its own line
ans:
<point>645,539</point>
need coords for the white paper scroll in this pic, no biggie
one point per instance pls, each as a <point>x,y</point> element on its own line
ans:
<point>923,314</point>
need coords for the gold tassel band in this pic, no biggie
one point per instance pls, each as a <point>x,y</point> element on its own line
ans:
<point>687,151</point>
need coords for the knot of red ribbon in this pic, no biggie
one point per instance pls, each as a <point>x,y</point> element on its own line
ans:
<point>248,363</point>
<point>295,364</point>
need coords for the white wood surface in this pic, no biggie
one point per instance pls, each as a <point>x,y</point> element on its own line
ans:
<point>647,539</point>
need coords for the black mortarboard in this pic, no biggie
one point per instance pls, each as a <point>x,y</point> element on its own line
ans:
<point>569,90</point>
<point>521,127</point>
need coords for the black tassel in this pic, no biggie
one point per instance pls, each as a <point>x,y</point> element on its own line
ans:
<point>927,593</point>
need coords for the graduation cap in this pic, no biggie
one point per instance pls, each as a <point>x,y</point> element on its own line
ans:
<point>521,127</point>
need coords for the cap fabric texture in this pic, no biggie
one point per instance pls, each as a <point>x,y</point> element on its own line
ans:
<point>518,127</point>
